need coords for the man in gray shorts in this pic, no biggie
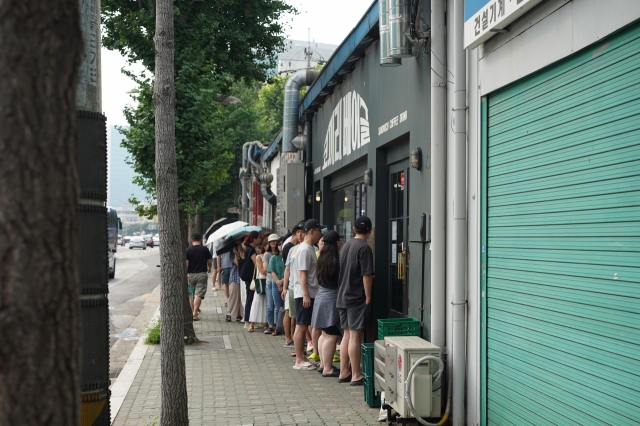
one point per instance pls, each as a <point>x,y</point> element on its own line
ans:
<point>198,266</point>
<point>355,284</point>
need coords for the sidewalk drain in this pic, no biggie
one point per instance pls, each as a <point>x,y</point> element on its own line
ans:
<point>211,343</point>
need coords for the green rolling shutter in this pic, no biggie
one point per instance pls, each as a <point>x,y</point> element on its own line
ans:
<point>563,242</point>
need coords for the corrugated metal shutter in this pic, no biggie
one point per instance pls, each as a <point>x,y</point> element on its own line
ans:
<point>563,242</point>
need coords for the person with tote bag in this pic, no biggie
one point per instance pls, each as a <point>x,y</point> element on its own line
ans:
<point>258,312</point>
<point>247,266</point>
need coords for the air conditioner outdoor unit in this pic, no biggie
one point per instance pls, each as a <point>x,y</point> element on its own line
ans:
<point>394,357</point>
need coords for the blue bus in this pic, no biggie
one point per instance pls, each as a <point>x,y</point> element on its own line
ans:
<point>113,225</point>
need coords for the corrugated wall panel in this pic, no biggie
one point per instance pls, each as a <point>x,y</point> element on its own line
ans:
<point>563,242</point>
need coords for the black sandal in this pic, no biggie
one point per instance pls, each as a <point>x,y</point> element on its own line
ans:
<point>228,318</point>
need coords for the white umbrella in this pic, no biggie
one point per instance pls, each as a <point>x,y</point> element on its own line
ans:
<point>224,230</point>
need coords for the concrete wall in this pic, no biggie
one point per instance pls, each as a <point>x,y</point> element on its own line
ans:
<point>387,93</point>
<point>550,32</point>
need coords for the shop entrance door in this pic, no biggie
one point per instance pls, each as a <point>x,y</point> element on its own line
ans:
<point>399,223</point>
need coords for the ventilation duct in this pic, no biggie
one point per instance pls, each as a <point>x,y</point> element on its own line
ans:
<point>399,15</point>
<point>265,178</point>
<point>300,142</point>
<point>385,57</point>
<point>291,105</point>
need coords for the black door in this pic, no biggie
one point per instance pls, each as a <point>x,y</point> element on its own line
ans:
<point>399,223</point>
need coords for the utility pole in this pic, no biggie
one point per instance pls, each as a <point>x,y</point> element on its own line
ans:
<point>92,216</point>
<point>308,53</point>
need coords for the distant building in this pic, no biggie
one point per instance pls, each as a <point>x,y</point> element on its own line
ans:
<point>294,58</point>
<point>127,214</point>
<point>121,186</point>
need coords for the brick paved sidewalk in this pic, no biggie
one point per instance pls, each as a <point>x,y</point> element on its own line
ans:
<point>250,382</point>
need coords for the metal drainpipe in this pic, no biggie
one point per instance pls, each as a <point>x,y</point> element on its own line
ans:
<point>438,173</point>
<point>242,191</point>
<point>459,215</point>
<point>309,174</point>
<point>291,105</point>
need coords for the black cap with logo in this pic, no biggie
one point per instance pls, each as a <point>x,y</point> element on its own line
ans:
<point>313,224</point>
<point>363,224</point>
<point>300,225</point>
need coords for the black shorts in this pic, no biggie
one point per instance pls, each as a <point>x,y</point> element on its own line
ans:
<point>303,315</point>
<point>333,331</point>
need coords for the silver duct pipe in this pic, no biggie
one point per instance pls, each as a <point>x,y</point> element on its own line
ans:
<point>300,142</point>
<point>399,28</point>
<point>247,150</point>
<point>458,280</point>
<point>438,174</point>
<point>385,58</point>
<point>265,178</point>
<point>250,157</point>
<point>291,105</point>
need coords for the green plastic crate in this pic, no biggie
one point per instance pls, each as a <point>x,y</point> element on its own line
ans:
<point>371,397</point>
<point>398,327</point>
<point>367,359</point>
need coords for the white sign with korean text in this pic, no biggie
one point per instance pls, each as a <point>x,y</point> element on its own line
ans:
<point>484,18</point>
<point>348,129</point>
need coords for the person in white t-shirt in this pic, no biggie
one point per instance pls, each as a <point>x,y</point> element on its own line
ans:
<point>305,288</point>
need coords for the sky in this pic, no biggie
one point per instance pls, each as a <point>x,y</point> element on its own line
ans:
<point>330,21</point>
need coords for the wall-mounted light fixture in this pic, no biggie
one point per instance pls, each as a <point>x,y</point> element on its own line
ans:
<point>368,177</point>
<point>309,199</point>
<point>318,196</point>
<point>416,158</point>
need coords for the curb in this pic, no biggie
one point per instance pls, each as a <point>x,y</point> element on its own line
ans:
<point>120,388</point>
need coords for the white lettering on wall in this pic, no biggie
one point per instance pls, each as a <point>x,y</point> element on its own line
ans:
<point>392,123</point>
<point>348,129</point>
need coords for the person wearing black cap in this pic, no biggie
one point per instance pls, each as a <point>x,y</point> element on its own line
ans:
<point>355,285</point>
<point>305,288</point>
<point>289,322</point>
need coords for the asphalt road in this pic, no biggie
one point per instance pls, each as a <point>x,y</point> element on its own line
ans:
<point>137,275</point>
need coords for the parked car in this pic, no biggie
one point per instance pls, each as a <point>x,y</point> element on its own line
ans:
<point>127,238</point>
<point>112,264</point>
<point>138,242</point>
<point>156,239</point>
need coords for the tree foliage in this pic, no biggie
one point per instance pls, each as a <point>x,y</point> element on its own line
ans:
<point>217,42</point>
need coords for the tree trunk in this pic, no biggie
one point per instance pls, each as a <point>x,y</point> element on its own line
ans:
<point>192,227</point>
<point>39,284</point>
<point>199,225</point>
<point>189,330</point>
<point>174,410</point>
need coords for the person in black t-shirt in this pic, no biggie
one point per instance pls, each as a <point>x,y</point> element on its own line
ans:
<point>355,287</point>
<point>199,261</point>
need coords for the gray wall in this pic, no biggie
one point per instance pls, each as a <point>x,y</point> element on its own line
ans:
<point>387,92</point>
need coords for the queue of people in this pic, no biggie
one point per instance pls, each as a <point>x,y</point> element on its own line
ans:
<point>307,286</point>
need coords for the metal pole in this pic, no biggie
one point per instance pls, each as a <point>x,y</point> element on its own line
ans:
<point>459,125</point>
<point>438,175</point>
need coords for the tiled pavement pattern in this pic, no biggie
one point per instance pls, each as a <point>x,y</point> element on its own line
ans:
<point>253,383</point>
